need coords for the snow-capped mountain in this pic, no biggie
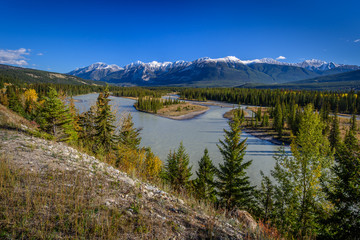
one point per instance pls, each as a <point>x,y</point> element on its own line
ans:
<point>229,70</point>
<point>95,71</point>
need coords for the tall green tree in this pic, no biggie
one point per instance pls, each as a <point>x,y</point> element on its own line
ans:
<point>278,119</point>
<point>13,100</point>
<point>344,191</point>
<point>129,136</point>
<point>54,118</point>
<point>353,123</point>
<point>300,200</point>
<point>334,135</point>
<point>204,183</point>
<point>264,198</point>
<point>233,185</point>
<point>104,123</point>
<point>177,169</point>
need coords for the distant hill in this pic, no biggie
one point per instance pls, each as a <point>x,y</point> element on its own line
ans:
<point>27,75</point>
<point>341,81</point>
<point>206,72</point>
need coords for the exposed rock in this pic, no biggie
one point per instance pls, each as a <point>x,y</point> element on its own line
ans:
<point>245,218</point>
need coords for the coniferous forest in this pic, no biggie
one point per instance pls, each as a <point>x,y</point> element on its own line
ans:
<point>312,193</point>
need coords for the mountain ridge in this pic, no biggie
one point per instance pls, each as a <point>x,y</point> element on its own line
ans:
<point>226,71</point>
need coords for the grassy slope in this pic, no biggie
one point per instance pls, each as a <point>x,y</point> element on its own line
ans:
<point>49,190</point>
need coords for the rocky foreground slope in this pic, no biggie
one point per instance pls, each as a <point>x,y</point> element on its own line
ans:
<point>58,192</point>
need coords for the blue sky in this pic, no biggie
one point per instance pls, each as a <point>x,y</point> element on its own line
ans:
<point>63,35</point>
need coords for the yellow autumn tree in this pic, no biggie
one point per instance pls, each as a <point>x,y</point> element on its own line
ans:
<point>31,98</point>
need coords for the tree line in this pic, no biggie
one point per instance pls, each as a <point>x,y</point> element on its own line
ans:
<point>152,104</point>
<point>342,102</point>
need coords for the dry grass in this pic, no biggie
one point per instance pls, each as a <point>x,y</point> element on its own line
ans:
<point>56,205</point>
<point>345,126</point>
<point>230,114</point>
<point>180,109</point>
<point>9,119</point>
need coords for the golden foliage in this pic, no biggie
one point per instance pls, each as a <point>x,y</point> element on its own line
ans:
<point>140,163</point>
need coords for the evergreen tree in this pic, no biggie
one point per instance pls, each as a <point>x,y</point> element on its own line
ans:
<point>204,183</point>
<point>128,134</point>
<point>177,170</point>
<point>264,198</point>
<point>353,123</point>
<point>87,125</point>
<point>265,121</point>
<point>104,120</point>
<point>74,113</point>
<point>54,118</point>
<point>13,100</point>
<point>334,136</point>
<point>232,182</point>
<point>278,119</point>
<point>344,191</point>
<point>299,199</point>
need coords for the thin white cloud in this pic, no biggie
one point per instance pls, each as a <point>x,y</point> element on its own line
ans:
<point>15,57</point>
<point>40,54</point>
<point>281,58</point>
<point>357,40</point>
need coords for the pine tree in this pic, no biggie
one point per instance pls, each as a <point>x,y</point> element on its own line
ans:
<point>300,200</point>
<point>344,191</point>
<point>13,100</point>
<point>353,123</point>
<point>265,121</point>
<point>233,185</point>
<point>54,118</point>
<point>74,113</point>
<point>104,120</point>
<point>204,183</point>
<point>128,134</point>
<point>334,136</point>
<point>87,125</point>
<point>177,170</point>
<point>278,119</point>
<point>264,198</point>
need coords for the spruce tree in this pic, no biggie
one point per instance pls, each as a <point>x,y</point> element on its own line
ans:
<point>128,134</point>
<point>104,120</point>
<point>344,191</point>
<point>334,135</point>
<point>278,119</point>
<point>177,170</point>
<point>233,185</point>
<point>13,100</point>
<point>54,118</point>
<point>204,183</point>
<point>87,126</point>
<point>353,123</point>
<point>264,198</point>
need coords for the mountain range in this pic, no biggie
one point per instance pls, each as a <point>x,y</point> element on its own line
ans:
<point>206,72</point>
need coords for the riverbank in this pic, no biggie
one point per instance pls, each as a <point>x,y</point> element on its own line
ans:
<point>266,134</point>
<point>263,133</point>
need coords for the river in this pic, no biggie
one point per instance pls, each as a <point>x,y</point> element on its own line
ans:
<point>203,131</point>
